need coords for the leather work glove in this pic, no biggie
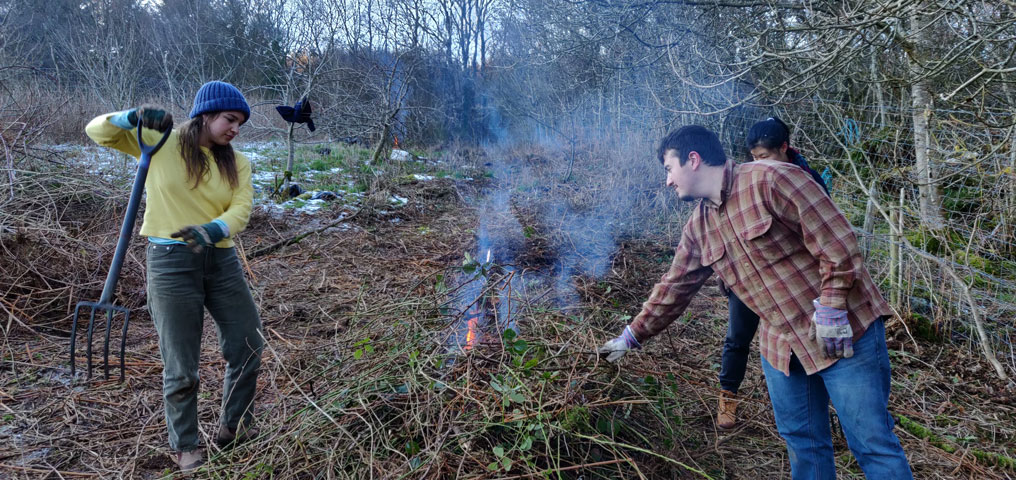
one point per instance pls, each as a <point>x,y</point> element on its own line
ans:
<point>151,117</point>
<point>832,327</point>
<point>616,348</point>
<point>200,237</point>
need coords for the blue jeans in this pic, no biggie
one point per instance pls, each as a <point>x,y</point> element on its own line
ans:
<point>859,389</point>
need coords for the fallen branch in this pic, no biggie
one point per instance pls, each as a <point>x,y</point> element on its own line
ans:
<point>988,459</point>
<point>289,241</point>
<point>546,473</point>
<point>4,466</point>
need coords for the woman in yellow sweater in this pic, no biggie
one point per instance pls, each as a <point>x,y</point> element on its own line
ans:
<point>199,194</point>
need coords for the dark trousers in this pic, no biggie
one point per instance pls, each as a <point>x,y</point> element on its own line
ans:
<point>181,286</point>
<point>740,330</point>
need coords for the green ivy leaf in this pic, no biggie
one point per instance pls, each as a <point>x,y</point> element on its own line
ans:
<point>603,425</point>
<point>499,451</point>
<point>497,386</point>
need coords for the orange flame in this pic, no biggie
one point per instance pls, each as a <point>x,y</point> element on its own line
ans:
<point>473,325</point>
<point>396,137</point>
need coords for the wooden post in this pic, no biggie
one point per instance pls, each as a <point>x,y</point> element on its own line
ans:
<point>899,252</point>
<point>894,240</point>
<point>289,164</point>
<point>869,220</point>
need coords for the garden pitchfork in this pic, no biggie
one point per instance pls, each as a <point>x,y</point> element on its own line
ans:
<point>105,302</point>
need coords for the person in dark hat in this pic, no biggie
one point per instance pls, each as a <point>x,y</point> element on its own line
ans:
<point>199,195</point>
<point>767,140</point>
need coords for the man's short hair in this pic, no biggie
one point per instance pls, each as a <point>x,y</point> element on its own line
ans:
<point>693,138</point>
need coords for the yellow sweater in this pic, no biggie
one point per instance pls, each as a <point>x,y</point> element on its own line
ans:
<point>172,200</point>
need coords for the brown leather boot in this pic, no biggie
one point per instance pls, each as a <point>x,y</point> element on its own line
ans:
<point>189,461</point>
<point>228,436</point>
<point>726,417</point>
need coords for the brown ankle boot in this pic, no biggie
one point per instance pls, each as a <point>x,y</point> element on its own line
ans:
<point>228,436</point>
<point>726,417</point>
<point>189,461</point>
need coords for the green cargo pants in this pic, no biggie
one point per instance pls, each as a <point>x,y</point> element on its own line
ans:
<point>181,284</point>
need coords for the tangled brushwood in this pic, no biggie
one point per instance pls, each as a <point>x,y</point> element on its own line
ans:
<point>359,380</point>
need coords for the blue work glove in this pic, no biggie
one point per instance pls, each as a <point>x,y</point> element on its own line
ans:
<point>151,117</point>
<point>616,348</point>
<point>831,327</point>
<point>200,237</point>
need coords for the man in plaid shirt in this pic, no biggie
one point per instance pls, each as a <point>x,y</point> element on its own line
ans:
<point>781,245</point>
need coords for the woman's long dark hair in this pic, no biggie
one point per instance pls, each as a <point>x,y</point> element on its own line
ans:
<point>194,158</point>
<point>770,134</point>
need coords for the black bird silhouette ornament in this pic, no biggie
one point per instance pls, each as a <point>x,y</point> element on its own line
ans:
<point>299,113</point>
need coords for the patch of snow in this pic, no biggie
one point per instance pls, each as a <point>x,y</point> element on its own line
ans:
<point>312,206</point>
<point>255,157</point>
<point>32,456</point>
<point>342,227</point>
<point>398,201</point>
<point>400,155</point>
<point>265,176</point>
<point>422,177</point>
<point>57,375</point>
<point>261,146</point>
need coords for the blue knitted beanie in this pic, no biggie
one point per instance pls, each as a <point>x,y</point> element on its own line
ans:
<point>217,96</point>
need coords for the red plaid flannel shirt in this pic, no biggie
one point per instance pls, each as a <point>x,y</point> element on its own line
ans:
<point>778,241</point>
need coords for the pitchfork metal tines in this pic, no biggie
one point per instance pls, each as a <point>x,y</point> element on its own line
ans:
<point>105,303</point>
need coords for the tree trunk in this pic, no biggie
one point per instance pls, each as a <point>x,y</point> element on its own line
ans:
<point>920,95</point>
<point>878,90</point>
<point>375,159</point>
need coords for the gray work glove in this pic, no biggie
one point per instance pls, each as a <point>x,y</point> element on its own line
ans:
<point>617,347</point>
<point>833,328</point>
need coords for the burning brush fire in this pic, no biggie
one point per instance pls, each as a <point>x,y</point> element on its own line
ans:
<point>472,327</point>
<point>485,305</point>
